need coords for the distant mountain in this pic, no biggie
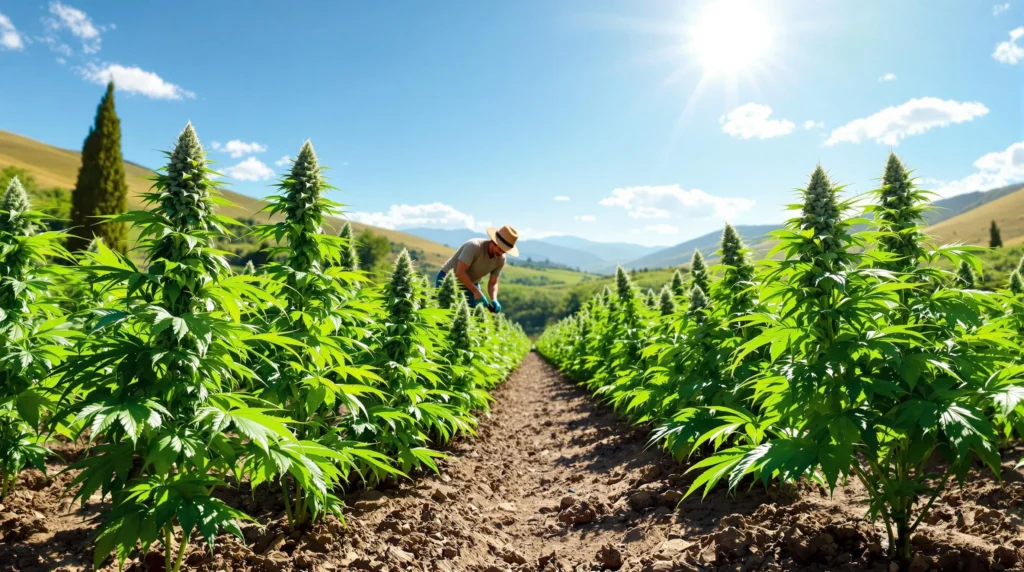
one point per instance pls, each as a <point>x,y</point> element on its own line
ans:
<point>707,244</point>
<point>612,252</point>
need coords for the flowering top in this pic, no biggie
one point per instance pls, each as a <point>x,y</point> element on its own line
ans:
<point>305,215</point>
<point>666,303</point>
<point>349,255</point>
<point>15,205</point>
<point>185,198</point>
<point>699,271</point>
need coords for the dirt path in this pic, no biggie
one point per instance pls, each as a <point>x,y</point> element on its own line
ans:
<point>555,482</point>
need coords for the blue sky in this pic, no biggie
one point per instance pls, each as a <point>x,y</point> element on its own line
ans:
<point>643,121</point>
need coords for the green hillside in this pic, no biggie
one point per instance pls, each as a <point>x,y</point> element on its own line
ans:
<point>55,167</point>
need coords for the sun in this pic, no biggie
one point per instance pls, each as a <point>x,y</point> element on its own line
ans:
<point>731,37</point>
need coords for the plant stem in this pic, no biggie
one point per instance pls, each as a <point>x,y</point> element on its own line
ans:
<point>927,507</point>
<point>287,503</point>
<point>167,547</point>
<point>181,552</point>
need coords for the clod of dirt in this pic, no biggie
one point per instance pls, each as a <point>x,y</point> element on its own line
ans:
<point>609,558</point>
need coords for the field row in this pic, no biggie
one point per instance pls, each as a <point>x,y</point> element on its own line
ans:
<point>851,357</point>
<point>190,380</point>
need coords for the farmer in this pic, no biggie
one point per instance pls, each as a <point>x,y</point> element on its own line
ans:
<point>480,257</point>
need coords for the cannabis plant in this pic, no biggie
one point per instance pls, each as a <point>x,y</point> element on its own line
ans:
<point>314,373</point>
<point>349,259</point>
<point>449,293</point>
<point>34,334</point>
<point>699,273</point>
<point>158,374</point>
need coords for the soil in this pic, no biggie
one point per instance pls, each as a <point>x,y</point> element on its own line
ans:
<point>556,482</point>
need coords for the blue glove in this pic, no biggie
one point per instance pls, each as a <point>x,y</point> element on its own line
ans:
<point>495,306</point>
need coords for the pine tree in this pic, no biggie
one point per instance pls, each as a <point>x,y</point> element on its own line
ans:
<point>349,254</point>
<point>699,271</point>
<point>995,240</point>
<point>101,188</point>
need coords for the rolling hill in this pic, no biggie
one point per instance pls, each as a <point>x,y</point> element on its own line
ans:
<point>55,167</point>
<point>707,244</point>
<point>971,227</point>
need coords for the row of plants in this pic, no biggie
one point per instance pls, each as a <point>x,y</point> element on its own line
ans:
<point>844,354</point>
<point>188,378</point>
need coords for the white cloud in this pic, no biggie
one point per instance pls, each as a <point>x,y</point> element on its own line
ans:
<point>1000,8</point>
<point>561,198</point>
<point>996,169</point>
<point>893,124</point>
<point>433,215</point>
<point>672,201</point>
<point>888,77</point>
<point>1010,52</point>
<point>10,39</point>
<point>61,61</point>
<point>78,23</point>
<point>283,161</point>
<point>134,80</point>
<point>663,229</point>
<point>251,169</point>
<point>238,148</point>
<point>585,218</point>
<point>812,124</point>
<point>754,120</point>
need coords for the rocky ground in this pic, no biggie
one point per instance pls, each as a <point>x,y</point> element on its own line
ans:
<point>555,482</point>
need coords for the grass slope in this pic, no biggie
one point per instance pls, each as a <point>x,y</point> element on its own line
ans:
<point>55,167</point>
<point>971,227</point>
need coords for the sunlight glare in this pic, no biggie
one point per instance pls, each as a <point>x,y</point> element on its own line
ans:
<point>731,36</point>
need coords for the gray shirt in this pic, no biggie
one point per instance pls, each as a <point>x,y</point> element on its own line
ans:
<point>474,254</point>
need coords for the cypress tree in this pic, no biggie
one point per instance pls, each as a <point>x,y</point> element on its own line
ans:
<point>101,188</point>
<point>995,239</point>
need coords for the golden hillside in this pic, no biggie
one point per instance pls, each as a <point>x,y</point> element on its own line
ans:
<point>54,167</point>
<point>972,226</point>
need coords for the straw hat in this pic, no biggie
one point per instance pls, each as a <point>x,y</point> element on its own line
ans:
<point>505,237</point>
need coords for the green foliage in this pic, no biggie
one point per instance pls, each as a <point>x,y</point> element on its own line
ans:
<point>966,277</point>
<point>101,189</point>
<point>373,251</point>
<point>188,377</point>
<point>34,334</point>
<point>995,239</point>
<point>855,356</point>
